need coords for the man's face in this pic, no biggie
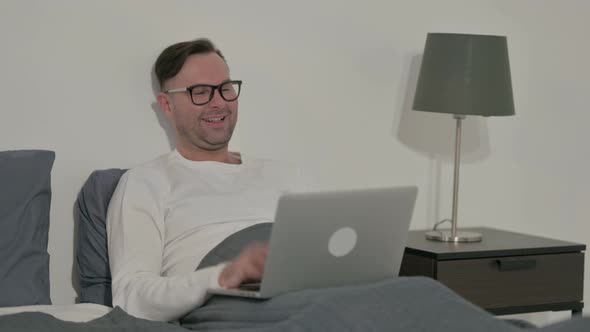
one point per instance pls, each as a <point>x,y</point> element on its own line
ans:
<point>207,127</point>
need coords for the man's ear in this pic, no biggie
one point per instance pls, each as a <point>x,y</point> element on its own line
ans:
<point>165,104</point>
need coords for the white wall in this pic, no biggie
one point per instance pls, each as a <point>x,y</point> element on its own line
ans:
<point>328,84</point>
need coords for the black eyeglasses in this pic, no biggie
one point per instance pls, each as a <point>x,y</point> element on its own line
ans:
<point>202,94</point>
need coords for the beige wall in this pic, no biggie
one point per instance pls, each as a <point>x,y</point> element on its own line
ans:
<point>328,84</point>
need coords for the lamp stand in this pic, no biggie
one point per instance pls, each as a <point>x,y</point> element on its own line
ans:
<point>454,235</point>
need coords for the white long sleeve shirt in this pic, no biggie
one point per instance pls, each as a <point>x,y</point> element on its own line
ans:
<point>167,214</point>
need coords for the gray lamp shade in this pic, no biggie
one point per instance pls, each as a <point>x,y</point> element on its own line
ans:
<point>465,74</point>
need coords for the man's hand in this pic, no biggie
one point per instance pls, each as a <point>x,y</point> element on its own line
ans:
<point>248,266</point>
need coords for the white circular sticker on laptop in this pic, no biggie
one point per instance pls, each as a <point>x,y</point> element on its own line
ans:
<point>342,242</point>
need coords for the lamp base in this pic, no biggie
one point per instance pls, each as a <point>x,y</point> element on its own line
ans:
<point>460,236</point>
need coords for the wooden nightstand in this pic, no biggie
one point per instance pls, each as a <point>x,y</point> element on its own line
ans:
<point>506,273</point>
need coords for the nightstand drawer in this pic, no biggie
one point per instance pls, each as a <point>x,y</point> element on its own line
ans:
<point>515,280</point>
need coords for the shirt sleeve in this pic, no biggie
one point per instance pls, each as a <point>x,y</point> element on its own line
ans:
<point>135,232</point>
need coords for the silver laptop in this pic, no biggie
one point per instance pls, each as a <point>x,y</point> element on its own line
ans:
<point>330,239</point>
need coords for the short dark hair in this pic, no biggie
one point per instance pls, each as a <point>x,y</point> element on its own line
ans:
<point>171,60</point>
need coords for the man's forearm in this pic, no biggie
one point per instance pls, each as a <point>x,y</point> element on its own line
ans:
<point>145,295</point>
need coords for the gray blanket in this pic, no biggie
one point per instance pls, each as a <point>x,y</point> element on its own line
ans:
<point>115,321</point>
<point>399,304</point>
<point>414,313</point>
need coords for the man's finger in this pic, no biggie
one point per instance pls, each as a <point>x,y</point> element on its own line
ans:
<point>249,265</point>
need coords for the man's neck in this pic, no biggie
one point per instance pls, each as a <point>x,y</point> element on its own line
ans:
<point>222,155</point>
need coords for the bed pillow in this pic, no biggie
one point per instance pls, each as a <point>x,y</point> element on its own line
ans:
<point>91,251</point>
<point>25,199</point>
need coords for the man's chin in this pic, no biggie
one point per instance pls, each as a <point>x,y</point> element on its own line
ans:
<point>213,145</point>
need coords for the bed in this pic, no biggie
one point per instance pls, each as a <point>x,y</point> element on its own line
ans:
<point>400,304</point>
<point>80,312</point>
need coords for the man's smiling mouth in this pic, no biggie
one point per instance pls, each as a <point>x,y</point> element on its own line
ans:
<point>214,119</point>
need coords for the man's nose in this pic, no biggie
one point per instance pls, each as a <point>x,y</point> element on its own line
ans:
<point>217,100</point>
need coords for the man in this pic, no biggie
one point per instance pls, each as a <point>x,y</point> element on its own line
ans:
<point>167,214</point>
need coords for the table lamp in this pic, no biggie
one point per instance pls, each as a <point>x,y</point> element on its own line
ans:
<point>463,74</point>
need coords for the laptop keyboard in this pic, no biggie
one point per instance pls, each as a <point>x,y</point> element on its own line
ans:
<point>250,287</point>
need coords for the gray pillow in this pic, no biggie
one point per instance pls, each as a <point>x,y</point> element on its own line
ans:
<point>91,251</point>
<point>25,199</point>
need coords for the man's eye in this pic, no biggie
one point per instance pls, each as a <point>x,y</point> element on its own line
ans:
<point>200,92</point>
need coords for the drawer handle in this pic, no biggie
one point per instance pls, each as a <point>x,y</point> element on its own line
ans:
<point>516,264</point>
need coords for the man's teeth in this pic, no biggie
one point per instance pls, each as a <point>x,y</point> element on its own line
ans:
<point>215,119</point>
